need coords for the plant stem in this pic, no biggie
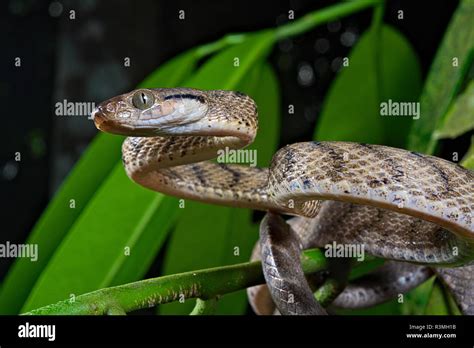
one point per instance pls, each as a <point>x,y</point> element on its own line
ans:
<point>227,40</point>
<point>205,284</point>
<point>294,27</point>
<point>114,310</point>
<point>204,307</point>
<point>325,15</point>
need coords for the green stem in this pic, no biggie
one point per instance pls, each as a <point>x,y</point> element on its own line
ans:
<point>295,27</point>
<point>115,310</point>
<point>325,15</point>
<point>204,284</point>
<point>231,39</point>
<point>204,307</point>
<point>339,271</point>
<point>327,292</point>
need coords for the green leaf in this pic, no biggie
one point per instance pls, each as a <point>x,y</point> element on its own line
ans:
<point>416,300</point>
<point>365,267</point>
<point>437,304</point>
<point>227,69</point>
<point>217,231</point>
<point>94,165</point>
<point>93,168</point>
<point>95,248</point>
<point>148,243</point>
<point>173,72</point>
<point>460,117</point>
<point>351,110</point>
<point>468,160</point>
<point>445,77</point>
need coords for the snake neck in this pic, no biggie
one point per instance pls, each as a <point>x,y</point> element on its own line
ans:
<point>179,164</point>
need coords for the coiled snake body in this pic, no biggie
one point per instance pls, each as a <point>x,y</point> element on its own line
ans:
<point>400,205</point>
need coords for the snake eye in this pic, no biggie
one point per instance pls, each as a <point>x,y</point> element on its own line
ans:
<point>143,99</point>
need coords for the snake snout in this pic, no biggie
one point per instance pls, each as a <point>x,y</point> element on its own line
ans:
<point>104,119</point>
<point>99,117</point>
<point>116,117</point>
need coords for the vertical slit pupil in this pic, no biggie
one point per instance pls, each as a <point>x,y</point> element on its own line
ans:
<point>143,95</point>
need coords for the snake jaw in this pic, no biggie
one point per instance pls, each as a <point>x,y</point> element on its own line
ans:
<point>115,116</point>
<point>104,122</point>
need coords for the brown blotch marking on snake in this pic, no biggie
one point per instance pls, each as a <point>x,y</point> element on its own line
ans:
<point>198,172</point>
<point>389,164</point>
<point>167,145</point>
<point>347,212</point>
<point>337,167</point>
<point>290,160</point>
<point>447,190</point>
<point>235,174</point>
<point>377,183</point>
<point>377,220</point>
<point>239,94</point>
<point>124,160</point>
<point>306,183</point>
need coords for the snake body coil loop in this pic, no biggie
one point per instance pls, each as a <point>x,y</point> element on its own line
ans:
<point>399,205</point>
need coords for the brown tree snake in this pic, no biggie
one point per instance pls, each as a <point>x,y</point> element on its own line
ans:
<point>414,210</point>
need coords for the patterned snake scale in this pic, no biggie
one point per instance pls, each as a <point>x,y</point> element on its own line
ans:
<point>412,209</point>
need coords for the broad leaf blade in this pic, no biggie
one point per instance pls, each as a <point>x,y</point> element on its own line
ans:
<point>227,69</point>
<point>94,165</point>
<point>460,117</point>
<point>445,78</point>
<point>92,169</point>
<point>438,303</point>
<point>416,300</point>
<point>95,247</point>
<point>468,160</point>
<point>173,72</point>
<point>352,108</point>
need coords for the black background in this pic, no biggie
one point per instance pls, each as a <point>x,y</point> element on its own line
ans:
<point>226,330</point>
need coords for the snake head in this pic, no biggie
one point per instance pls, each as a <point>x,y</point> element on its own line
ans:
<point>151,112</point>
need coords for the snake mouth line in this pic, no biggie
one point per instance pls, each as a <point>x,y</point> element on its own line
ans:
<point>108,125</point>
<point>101,121</point>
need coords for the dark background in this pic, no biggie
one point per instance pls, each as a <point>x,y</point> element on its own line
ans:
<point>82,60</point>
